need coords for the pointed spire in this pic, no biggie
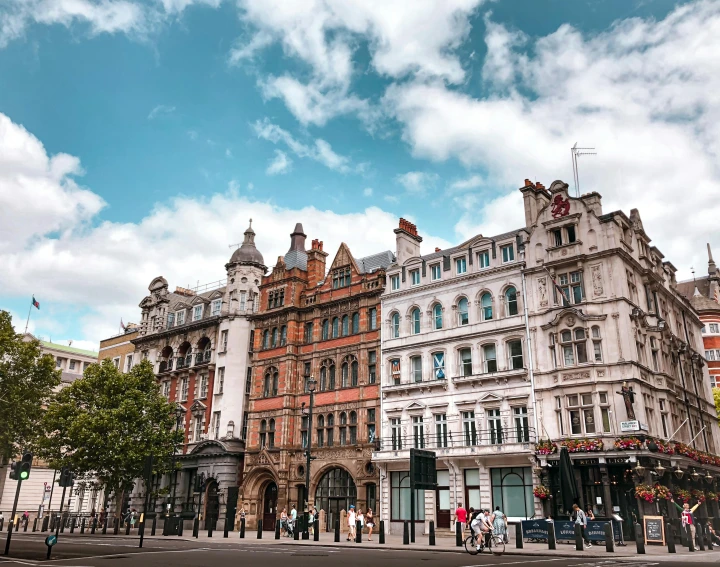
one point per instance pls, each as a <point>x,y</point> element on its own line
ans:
<point>712,268</point>
<point>249,235</point>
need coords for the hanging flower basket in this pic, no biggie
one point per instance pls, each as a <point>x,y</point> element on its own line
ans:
<point>628,444</point>
<point>662,446</point>
<point>682,495</point>
<point>712,496</point>
<point>682,449</point>
<point>545,447</point>
<point>541,492</point>
<point>698,495</point>
<point>583,445</point>
<point>662,492</point>
<point>645,492</point>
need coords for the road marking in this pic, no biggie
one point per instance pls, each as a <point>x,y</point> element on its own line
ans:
<point>521,562</point>
<point>131,555</point>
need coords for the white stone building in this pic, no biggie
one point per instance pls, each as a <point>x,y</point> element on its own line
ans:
<point>470,375</point>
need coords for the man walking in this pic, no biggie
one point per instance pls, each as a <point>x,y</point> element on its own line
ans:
<point>461,516</point>
<point>688,517</point>
<point>581,520</point>
<point>351,523</point>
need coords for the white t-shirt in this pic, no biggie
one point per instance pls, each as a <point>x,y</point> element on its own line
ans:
<point>293,514</point>
<point>351,518</point>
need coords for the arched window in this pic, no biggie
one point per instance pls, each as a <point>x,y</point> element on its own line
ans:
<point>331,377</point>
<point>321,431</point>
<point>267,385</point>
<point>486,306</point>
<point>343,418</point>
<point>308,332</point>
<point>321,421</point>
<point>343,428</point>
<point>271,434</point>
<point>437,316</point>
<point>354,373</point>
<point>335,491</point>
<point>325,330</point>
<point>356,323</point>
<point>283,335</point>
<point>344,372</point>
<point>345,326</point>
<point>323,379</point>
<point>415,321</point>
<point>511,302</point>
<point>395,325</point>
<point>335,328</point>
<point>270,384</point>
<point>274,337</point>
<point>266,339</point>
<point>263,433</point>
<point>462,309</point>
<point>330,429</point>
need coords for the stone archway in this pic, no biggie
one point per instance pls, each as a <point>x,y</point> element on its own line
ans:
<point>269,506</point>
<point>334,492</point>
<point>212,505</point>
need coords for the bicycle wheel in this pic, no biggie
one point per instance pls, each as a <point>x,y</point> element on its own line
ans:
<point>471,545</point>
<point>498,545</point>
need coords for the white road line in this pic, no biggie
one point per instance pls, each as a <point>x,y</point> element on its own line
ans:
<point>521,562</point>
<point>130,555</point>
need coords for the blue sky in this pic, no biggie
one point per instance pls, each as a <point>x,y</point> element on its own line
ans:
<point>139,137</point>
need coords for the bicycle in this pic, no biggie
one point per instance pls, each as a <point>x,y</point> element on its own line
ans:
<point>496,543</point>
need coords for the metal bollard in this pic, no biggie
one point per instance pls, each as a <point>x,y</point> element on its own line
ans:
<point>296,532</point>
<point>116,526</point>
<point>44,526</point>
<point>358,532</point>
<point>181,525</point>
<point>128,527</point>
<point>700,537</point>
<point>35,525</point>
<point>579,544</point>
<point>242,528</point>
<point>688,537</point>
<point>82,526</point>
<point>105,524</point>
<point>381,535</point>
<point>94,526</point>
<point>552,543</point>
<point>9,537</point>
<point>316,530</point>
<point>639,539</point>
<point>210,528</point>
<point>609,538</point>
<point>406,533</point>
<point>72,524</point>
<point>227,527</point>
<point>670,537</point>
<point>196,528</point>
<point>259,529</point>
<point>337,530</point>
<point>458,534</point>
<point>2,521</point>
<point>519,542</point>
<point>277,529</point>
<point>25,527</point>
<point>431,538</point>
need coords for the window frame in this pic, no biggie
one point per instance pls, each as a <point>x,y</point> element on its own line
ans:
<point>509,257</point>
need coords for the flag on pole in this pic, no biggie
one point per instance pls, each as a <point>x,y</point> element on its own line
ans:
<point>560,290</point>
<point>35,303</point>
<point>122,325</point>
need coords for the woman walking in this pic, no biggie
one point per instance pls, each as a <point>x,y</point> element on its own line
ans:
<point>499,523</point>
<point>370,522</point>
<point>283,521</point>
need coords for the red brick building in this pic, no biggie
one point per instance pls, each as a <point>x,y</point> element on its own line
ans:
<point>704,294</point>
<point>325,324</point>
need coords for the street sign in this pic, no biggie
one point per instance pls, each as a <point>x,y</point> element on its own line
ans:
<point>51,540</point>
<point>423,470</point>
<point>628,426</point>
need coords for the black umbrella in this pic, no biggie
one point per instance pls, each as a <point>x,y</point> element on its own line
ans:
<point>568,488</point>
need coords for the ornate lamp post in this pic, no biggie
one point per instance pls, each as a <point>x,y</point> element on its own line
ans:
<point>179,414</point>
<point>311,383</point>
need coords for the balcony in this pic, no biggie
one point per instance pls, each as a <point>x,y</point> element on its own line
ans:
<point>203,357</point>
<point>165,366</point>
<point>480,443</point>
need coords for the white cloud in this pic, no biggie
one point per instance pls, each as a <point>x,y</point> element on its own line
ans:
<point>280,164</point>
<point>642,93</point>
<point>391,198</point>
<point>160,110</point>
<point>228,153</point>
<point>320,151</point>
<point>461,185</point>
<point>417,182</point>
<point>368,191</point>
<point>104,269</point>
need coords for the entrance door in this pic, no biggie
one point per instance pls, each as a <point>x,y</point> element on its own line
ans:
<point>212,506</point>
<point>442,499</point>
<point>336,491</point>
<point>270,507</point>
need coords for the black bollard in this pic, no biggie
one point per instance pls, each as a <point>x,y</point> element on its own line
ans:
<point>35,525</point>
<point>72,525</point>
<point>181,525</point>
<point>358,532</point>
<point>242,528</point>
<point>708,538</point>
<point>94,526</point>
<point>639,539</point>
<point>25,527</point>
<point>196,528</point>
<point>316,530</point>
<point>82,526</point>
<point>259,529</point>
<point>431,539</point>
<point>609,538</point>
<point>296,531</point>
<point>458,534</point>
<point>381,535</point>
<point>227,527</point>
<point>552,543</point>
<point>210,527</point>
<point>45,522</point>
<point>9,537</point>
<point>116,526</point>
<point>337,530</point>
<point>105,524</point>
<point>579,544</point>
<point>700,537</point>
<point>670,537</point>
<point>688,537</point>
<point>519,543</point>
<point>127,527</point>
<point>406,533</point>
<point>154,526</point>
<point>277,529</point>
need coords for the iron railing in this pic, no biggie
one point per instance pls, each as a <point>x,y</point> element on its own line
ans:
<point>453,439</point>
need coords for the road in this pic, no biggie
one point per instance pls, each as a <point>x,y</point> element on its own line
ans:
<point>29,549</point>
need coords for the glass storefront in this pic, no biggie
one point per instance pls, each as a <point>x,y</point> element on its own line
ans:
<point>400,498</point>
<point>512,490</point>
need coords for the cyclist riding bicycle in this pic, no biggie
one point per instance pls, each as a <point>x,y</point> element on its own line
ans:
<point>481,526</point>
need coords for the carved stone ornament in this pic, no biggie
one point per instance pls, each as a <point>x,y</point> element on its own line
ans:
<point>542,292</point>
<point>597,281</point>
<point>560,207</point>
<point>584,375</point>
<point>570,320</point>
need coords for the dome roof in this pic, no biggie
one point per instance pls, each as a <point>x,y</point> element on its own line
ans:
<point>247,253</point>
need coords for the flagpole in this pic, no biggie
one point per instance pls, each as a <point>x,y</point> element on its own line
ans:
<point>28,319</point>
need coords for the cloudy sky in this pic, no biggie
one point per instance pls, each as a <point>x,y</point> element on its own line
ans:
<point>138,137</point>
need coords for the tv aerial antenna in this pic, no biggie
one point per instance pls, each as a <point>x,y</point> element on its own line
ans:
<point>575,153</point>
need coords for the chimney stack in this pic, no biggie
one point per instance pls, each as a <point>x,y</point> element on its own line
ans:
<point>316,263</point>
<point>407,241</point>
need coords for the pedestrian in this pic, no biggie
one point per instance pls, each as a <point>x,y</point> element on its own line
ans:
<point>360,518</point>
<point>713,535</point>
<point>688,517</point>
<point>26,518</point>
<point>590,515</point>
<point>283,521</point>
<point>311,520</point>
<point>581,520</point>
<point>102,517</point>
<point>461,516</point>
<point>351,523</point>
<point>2,518</point>
<point>499,523</point>
<point>478,526</point>
<point>370,522</point>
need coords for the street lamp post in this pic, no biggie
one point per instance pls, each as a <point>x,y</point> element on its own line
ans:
<point>179,414</point>
<point>311,383</point>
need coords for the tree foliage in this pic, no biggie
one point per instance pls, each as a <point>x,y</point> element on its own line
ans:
<point>716,397</point>
<point>27,381</point>
<point>105,424</point>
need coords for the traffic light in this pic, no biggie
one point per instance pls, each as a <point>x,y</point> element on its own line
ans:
<point>25,466</point>
<point>66,477</point>
<point>15,470</point>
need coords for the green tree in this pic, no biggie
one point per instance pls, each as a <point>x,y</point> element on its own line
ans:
<point>716,397</point>
<point>105,424</point>
<point>27,381</point>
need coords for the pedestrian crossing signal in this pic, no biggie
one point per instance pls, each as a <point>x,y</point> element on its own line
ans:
<point>25,466</point>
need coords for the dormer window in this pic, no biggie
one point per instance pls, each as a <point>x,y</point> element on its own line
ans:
<point>483,259</point>
<point>197,312</point>
<point>171,320</point>
<point>216,306</point>
<point>180,317</point>
<point>508,253</point>
<point>564,235</point>
<point>460,266</point>
<point>415,277</point>
<point>341,278</point>
<point>394,283</point>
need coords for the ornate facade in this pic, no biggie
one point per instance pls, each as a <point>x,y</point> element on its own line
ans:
<point>200,344</point>
<point>326,326</point>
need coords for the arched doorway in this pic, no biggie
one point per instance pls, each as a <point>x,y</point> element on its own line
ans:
<point>212,506</point>
<point>270,507</point>
<point>335,491</point>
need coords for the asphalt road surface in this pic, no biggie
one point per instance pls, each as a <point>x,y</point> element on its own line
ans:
<point>27,549</point>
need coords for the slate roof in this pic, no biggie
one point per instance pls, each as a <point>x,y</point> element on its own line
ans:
<point>463,246</point>
<point>374,262</point>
